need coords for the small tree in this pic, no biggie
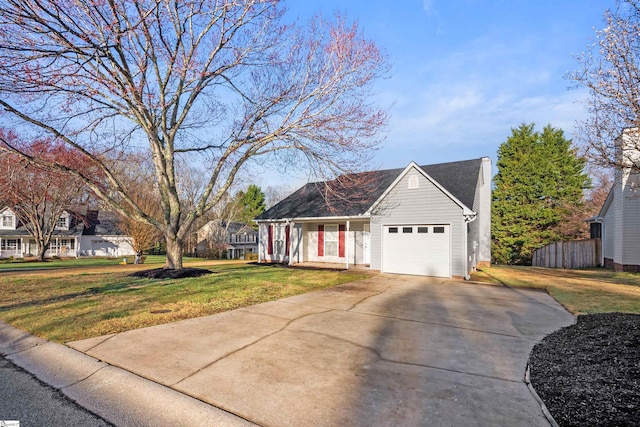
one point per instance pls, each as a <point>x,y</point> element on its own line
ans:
<point>540,181</point>
<point>215,233</point>
<point>223,82</point>
<point>251,204</point>
<point>39,195</point>
<point>136,173</point>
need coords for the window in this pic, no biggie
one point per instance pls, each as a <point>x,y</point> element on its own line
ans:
<point>57,245</point>
<point>413,182</point>
<point>62,222</point>
<point>407,229</point>
<point>439,230</point>
<point>330,240</point>
<point>10,245</point>
<point>423,229</point>
<point>7,221</point>
<point>279,239</point>
<point>393,229</point>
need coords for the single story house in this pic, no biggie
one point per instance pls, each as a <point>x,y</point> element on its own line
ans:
<point>618,222</point>
<point>231,239</point>
<point>75,235</point>
<point>432,220</point>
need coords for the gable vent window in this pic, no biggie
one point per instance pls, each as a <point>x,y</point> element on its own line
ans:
<point>439,230</point>
<point>393,229</point>
<point>413,182</point>
<point>407,229</point>
<point>423,229</point>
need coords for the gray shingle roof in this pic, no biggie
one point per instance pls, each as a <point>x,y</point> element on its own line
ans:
<point>352,195</point>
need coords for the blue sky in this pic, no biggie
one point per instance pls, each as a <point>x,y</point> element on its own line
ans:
<point>467,71</point>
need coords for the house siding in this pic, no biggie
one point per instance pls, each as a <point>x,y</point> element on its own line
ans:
<point>115,246</point>
<point>608,233</point>
<point>630,213</point>
<point>426,204</point>
<point>483,208</point>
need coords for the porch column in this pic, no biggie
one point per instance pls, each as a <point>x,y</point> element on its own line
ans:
<point>290,251</point>
<point>346,244</point>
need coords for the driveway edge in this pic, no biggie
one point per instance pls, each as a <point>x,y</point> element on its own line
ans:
<point>114,394</point>
<point>544,408</point>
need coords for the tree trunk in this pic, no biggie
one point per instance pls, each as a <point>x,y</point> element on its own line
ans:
<point>41,251</point>
<point>175,250</point>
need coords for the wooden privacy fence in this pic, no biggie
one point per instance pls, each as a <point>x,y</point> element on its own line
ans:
<point>572,254</point>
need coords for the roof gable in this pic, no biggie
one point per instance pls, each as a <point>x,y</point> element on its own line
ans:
<point>421,170</point>
<point>354,194</point>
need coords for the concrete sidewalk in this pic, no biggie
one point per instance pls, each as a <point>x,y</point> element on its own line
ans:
<point>388,350</point>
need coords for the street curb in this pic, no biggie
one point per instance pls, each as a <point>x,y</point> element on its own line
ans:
<point>544,408</point>
<point>112,393</point>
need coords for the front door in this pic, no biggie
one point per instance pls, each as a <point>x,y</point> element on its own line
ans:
<point>366,252</point>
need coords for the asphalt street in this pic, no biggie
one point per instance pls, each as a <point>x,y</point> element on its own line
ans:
<point>26,399</point>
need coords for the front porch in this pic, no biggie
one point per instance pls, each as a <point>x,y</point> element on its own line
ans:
<point>342,242</point>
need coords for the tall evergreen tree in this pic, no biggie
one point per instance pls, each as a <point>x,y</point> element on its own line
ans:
<point>540,181</point>
<point>251,203</point>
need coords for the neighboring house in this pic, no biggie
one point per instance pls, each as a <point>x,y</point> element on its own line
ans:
<point>232,240</point>
<point>618,223</point>
<point>75,235</point>
<point>103,238</point>
<point>432,220</point>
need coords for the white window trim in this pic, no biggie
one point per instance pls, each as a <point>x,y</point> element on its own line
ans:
<point>337,240</point>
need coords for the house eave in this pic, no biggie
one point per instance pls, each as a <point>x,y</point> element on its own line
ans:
<point>315,219</point>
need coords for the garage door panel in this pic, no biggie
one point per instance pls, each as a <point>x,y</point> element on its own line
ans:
<point>416,249</point>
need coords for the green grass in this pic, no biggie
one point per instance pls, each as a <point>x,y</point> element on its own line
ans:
<point>7,264</point>
<point>73,304</point>
<point>580,291</point>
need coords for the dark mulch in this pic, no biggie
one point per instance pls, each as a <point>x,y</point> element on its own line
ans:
<point>167,273</point>
<point>588,374</point>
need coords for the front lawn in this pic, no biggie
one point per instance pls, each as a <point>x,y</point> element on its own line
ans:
<point>19,263</point>
<point>579,291</point>
<point>68,305</point>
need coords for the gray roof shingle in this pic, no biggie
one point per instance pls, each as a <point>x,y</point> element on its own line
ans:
<point>352,195</point>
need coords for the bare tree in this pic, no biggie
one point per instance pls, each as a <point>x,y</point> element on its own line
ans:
<point>218,82</point>
<point>137,175</point>
<point>215,233</point>
<point>610,70</point>
<point>39,196</point>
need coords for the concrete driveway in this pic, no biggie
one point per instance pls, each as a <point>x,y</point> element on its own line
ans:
<point>388,350</point>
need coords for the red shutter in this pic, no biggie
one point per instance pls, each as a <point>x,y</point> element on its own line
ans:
<point>270,240</point>
<point>321,240</point>
<point>286,241</point>
<point>341,230</point>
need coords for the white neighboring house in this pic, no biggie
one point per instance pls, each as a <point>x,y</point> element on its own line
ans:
<point>618,223</point>
<point>103,238</point>
<point>234,239</point>
<point>75,235</point>
<point>432,220</point>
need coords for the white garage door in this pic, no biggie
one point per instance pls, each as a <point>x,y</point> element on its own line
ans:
<point>416,249</point>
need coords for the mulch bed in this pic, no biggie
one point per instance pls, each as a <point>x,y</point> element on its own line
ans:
<point>167,273</point>
<point>588,374</point>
